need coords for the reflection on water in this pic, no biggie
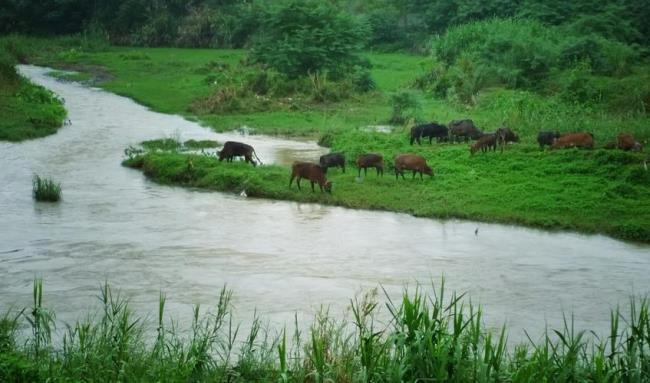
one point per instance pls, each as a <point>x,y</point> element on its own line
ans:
<point>279,257</point>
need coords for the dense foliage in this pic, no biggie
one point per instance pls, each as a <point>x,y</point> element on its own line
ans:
<point>521,54</point>
<point>394,24</point>
<point>308,37</point>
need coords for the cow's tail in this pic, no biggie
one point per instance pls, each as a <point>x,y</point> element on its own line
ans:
<point>255,154</point>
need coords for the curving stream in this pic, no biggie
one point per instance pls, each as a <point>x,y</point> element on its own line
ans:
<point>279,257</point>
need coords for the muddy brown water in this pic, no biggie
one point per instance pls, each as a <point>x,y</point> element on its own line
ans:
<point>280,258</point>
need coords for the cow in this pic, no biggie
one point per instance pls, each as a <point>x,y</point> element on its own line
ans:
<point>547,138</point>
<point>237,149</point>
<point>507,135</point>
<point>313,172</point>
<point>625,141</point>
<point>411,162</point>
<point>370,160</point>
<point>578,140</point>
<point>431,130</point>
<point>485,143</point>
<point>465,129</point>
<point>331,160</point>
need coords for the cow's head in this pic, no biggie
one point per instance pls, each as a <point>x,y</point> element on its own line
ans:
<point>328,186</point>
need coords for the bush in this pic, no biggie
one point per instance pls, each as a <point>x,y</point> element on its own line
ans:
<point>45,190</point>
<point>303,37</point>
<point>406,106</point>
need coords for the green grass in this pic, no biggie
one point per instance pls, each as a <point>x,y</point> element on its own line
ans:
<point>588,191</point>
<point>431,336</point>
<point>28,110</point>
<point>45,190</point>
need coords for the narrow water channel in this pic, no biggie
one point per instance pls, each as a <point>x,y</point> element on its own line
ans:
<point>280,258</point>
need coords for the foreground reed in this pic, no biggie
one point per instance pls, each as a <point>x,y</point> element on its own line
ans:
<point>428,338</point>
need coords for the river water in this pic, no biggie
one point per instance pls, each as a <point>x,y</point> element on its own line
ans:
<point>280,258</point>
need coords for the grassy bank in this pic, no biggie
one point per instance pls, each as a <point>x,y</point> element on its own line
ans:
<point>430,337</point>
<point>27,110</point>
<point>593,192</point>
<point>588,191</point>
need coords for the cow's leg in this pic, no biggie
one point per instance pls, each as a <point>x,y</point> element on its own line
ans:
<point>430,139</point>
<point>298,182</point>
<point>312,186</point>
<point>291,180</point>
<point>396,173</point>
<point>365,171</point>
<point>343,167</point>
<point>359,172</point>
<point>421,179</point>
<point>413,176</point>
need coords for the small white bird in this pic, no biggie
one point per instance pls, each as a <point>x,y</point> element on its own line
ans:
<point>243,193</point>
<point>476,232</point>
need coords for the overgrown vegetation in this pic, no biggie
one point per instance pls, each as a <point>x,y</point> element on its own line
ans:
<point>524,54</point>
<point>429,336</point>
<point>45,189</point>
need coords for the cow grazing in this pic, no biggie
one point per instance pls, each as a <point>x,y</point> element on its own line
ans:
<point>625,141</point>
<point>431,130</point>
<point>485,143</point>
<point>411,162</point>
<point>577,140</point>
<point>233,149</point>
<point>465,129</point>
<point>370,160</point>
<point>505,135</point>
<point>313,173</point>
<point>332,160</point>
<point>547,138</point>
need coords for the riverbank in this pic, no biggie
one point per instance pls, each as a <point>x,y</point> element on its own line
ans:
<point>586,191</point>
<point>27,110</point>
<point>431,336</point>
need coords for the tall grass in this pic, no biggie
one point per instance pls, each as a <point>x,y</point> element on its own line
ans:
<point>45,189</point>
<point>429,336</point>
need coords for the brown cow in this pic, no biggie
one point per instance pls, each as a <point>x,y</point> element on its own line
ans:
<point>625,141</point>
<point>411,162</point>
<point>485,143</point>
<point>465,129</point>
<point>370,160</point>
<point>578,140</point>
<point>313,172</point>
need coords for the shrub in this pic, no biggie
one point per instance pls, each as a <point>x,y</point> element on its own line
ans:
<point>302,37</point>
<point>406,106</point>
<point>45,190</point>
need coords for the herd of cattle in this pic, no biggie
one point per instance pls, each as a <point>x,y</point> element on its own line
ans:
<point>462,130</point>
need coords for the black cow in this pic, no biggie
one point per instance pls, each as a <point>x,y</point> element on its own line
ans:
<point>547,138</point>
<point>332,160</point>
<point>233,149</point>
<point>505,135</point>
<point>431,130</point>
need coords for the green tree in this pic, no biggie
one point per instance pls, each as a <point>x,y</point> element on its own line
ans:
<point>303,37</point>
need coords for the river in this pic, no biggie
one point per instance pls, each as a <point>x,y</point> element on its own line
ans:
<point>280,258</point>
